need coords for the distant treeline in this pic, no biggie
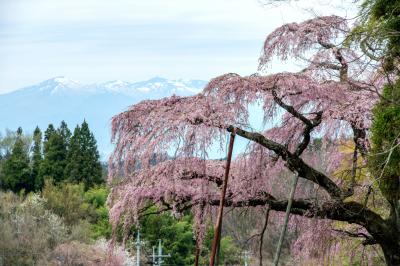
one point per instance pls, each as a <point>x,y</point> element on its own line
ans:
<point>27,161</point>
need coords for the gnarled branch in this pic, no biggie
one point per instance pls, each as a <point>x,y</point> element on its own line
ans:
<point>294,162</point>
<point>309,123</point>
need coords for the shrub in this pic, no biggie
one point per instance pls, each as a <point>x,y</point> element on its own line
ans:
<point>28,231</point>
<point>77,207</point>
<point>75,253</point>
<point>67,201</point>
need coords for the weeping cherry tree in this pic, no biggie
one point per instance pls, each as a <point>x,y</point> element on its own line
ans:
<point>162,147</point>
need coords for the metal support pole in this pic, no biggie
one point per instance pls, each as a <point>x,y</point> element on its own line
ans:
<point>288,207</point>
<point>138,246</point>
<point>154,255</point>
<point>196,260</point>
<point>218,249</point>
<point>218,224</point>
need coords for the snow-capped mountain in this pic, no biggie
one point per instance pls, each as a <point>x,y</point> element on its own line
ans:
<point>61,98</point>
<point>154,87</point>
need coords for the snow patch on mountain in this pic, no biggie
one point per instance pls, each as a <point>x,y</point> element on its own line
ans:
<point>156,86</point>
<point>58,85</point>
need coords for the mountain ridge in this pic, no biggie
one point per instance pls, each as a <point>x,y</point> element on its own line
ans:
<point>60,83</point>
<point>61,98</point>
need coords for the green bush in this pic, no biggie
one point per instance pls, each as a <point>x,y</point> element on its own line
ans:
<point>75,206</point>
<point>67,201</point>
<point>96,197</point>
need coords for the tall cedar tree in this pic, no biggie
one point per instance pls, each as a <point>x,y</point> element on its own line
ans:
<point>65,133</point>
<point>381,39</point>
<point>37,159</point>
<point>385,158</point>
<point>16,171</point>
<point>55,153</point>
<point>74,158</point>
<point>378,34</point>
<point>83,161</point>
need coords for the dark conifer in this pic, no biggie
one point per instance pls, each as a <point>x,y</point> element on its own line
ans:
<point>37,159</point>
<point>83,161</point>
<point>54,155</point>
<point>16,170</point>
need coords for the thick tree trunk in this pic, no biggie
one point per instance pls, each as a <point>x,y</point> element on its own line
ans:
<point>392,253</point>
<point>391,245</point>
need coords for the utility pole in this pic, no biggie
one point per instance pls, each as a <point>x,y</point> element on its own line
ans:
<point>139,245</point>
<point>159,256</point>
<point>160,261</point>
<point>246,257</point>
<point>218,224</point>
<point>154,255</point>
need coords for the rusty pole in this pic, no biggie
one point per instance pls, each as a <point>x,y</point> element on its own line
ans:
<point>218,224</point>
<point>196,260</point>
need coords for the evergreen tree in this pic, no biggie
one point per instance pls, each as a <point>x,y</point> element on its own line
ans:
<point>37,159</point>
<point>377,32</point>
<point>55,154</point>
<point>65,133</point>
<point>93,169</point>
<point>74,158</point>
<point>83,161</point>
<point>16,170</point>
<point>382,24</point>
<point>49,131</point>
<point>385,159</point>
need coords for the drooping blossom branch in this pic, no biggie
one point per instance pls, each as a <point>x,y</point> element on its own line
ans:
<point>294,39</point>
<point>186,194</point>
<point>161,146</point>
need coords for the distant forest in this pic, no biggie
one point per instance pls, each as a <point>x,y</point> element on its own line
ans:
<point>28,161</point>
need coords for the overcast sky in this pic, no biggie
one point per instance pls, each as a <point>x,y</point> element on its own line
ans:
<point>100,40</point>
